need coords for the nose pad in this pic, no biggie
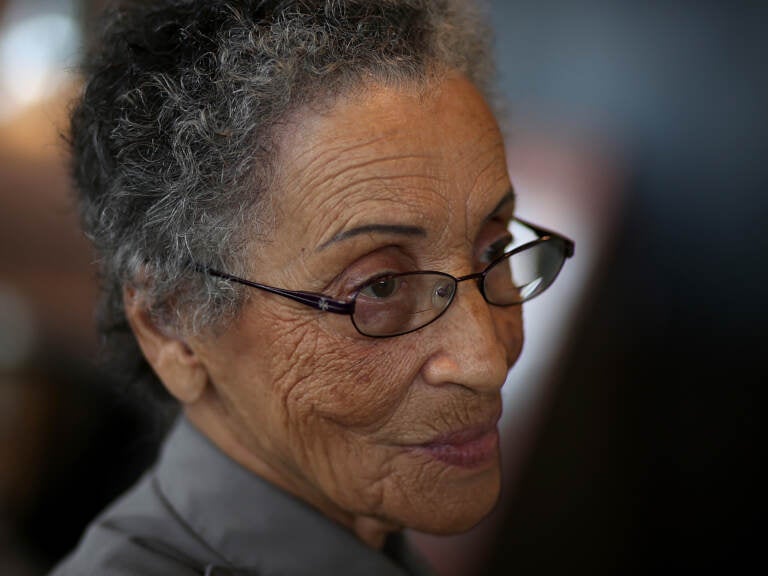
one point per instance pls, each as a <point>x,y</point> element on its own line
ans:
<point>443,293</point>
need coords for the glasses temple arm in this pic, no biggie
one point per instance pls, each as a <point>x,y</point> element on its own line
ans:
<point>541,232</point>
<point>307,298</point>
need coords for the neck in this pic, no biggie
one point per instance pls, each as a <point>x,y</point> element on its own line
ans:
<point>370,530</point>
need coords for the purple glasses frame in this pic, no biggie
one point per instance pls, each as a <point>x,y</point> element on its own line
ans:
<point>325,303</point>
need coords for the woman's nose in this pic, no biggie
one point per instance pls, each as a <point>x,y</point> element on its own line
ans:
<point>475,343</point>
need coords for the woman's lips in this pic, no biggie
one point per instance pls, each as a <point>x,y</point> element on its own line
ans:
<point>466,448</point>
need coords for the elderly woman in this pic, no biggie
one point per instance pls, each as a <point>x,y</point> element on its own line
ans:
<point>305,222</point>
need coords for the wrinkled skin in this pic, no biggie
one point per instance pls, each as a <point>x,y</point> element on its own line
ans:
<point>300,397</point>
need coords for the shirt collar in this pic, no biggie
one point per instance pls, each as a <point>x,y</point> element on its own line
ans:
<point>256,527</point>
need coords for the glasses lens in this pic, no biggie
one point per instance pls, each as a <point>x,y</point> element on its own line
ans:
<point>397,304</point>
<point>525,273</point>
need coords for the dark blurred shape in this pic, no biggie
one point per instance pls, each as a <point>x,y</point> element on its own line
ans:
<point>91,445</point>
<point>648,459</point>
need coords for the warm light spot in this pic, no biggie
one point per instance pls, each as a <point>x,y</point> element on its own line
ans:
<point>37,54</point>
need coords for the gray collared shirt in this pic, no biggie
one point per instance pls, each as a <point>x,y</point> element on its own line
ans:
<point>198,512</point>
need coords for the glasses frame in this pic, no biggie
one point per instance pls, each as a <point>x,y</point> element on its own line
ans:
<point>325,303</point>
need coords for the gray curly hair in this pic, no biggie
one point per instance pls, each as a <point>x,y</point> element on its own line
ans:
<point>171,139</point>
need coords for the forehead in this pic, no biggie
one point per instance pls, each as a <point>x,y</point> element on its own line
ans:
<point>403,155</point>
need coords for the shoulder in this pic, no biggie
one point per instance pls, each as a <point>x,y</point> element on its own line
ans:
<point>137,535</point>
<point>108,552</point>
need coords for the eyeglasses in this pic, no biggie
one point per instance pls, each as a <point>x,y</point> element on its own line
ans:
<point>396,304</point>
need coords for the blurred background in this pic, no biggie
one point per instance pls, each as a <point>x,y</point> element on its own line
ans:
<point>631,423</point>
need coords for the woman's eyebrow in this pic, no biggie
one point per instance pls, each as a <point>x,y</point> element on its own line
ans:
<point>398,229</point>
<point>404,229</point>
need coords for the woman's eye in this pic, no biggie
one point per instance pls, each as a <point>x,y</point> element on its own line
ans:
<point>496,250</point>
<point>381,288</point>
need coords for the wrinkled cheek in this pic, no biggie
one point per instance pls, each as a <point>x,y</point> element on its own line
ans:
<point>357,387</point>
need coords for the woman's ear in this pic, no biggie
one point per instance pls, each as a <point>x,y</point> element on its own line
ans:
<point>174,361</point>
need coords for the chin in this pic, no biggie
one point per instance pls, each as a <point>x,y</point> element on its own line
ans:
<point>456,509</point>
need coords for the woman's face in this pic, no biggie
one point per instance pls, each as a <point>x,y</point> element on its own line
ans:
<point>398,429</point>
